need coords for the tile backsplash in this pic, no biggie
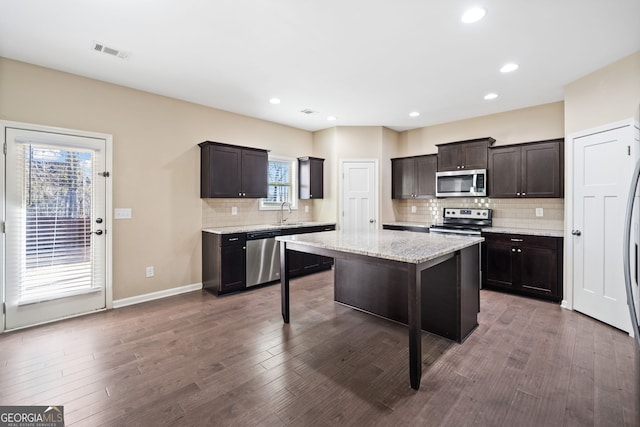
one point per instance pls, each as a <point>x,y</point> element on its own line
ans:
<point>218,212</point>
<point>511,213</point>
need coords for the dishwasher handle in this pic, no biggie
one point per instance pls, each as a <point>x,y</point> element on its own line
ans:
<point>257,235</point>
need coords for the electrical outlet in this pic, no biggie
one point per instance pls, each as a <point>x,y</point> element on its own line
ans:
<point>234,210</point>
<point>150,271</point>
<point>539,212</point>
<point>122,213</point>
<point>306,209</point>
<point>414,209</point>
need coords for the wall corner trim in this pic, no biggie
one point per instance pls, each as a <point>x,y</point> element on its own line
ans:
<point>156,295</point>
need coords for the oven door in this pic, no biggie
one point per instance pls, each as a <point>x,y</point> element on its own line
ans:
<point>461,183</point>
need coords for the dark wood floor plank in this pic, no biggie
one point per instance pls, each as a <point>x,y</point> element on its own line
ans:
<point>195,359</point>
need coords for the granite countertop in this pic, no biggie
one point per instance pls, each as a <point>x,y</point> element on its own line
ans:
<point>263,227</point>
<point>414,248</point>
<point>505,230</point>
<point>524,231</point>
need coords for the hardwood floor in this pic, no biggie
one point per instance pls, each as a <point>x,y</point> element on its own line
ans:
<point>195,359</point>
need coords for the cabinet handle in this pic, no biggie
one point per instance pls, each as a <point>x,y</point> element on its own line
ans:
<point>513,249</point>
<point>517,194</point>
<point>462,167</point>
<point>458,167</point>
<point>517,240</point>
<point>235,239</point>
<point>519,250</point>
<point>524,194</point>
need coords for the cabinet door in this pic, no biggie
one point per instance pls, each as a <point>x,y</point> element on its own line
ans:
<point>254,173</point>
<point>449,158</point>
<point>221,171</point>
<point>474,155</point>
<point>538,270</point>
<point>317,179</point>
<point>311,178</point>
<point>403,176</point>
<point>426,176</point>
<point>497,262</point>
<point>542,170</point>
<point>504,172</point>
<point>232,268</point>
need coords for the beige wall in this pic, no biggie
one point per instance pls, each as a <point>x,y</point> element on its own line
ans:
<point>349,143</point>
<point>608,95</point>
<point>156,162</point>
<point>511,127</point>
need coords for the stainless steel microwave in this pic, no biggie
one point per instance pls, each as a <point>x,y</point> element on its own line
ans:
<point>462,183</point>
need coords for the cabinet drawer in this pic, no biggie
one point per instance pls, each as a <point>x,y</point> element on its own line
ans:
<point>233,239</point>
<point>543,242</point>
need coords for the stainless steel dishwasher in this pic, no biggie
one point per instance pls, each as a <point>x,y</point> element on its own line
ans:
<point>263,257</point>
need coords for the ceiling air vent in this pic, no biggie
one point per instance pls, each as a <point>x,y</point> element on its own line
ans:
<point>100,47</point>
<point>308,111</point>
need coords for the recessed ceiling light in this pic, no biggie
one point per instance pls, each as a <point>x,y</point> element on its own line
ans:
<point>507,68</point>
<point>275,100</point>
<point>331,118</point>
<point>414,114</point>
<point>491,96</point>
<point>473,15</point>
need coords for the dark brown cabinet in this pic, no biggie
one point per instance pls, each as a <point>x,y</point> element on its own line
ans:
<point>223,262</point>
<point>229,171</point>
<point>224,258</point>
<point>301,263</point>
<point>469,154</point>
<point>414,177</point>
<point>530,265</point>
<point>310,178</point>
<point>527,170</point>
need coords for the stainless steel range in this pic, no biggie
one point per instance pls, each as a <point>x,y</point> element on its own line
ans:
<point>463,221</point>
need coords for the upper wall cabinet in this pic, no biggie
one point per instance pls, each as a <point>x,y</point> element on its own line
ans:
<point>230,171</point>
<point>470,154</point>
<point>527,170</point>
<point>311,178</point>
<point>414,177</point>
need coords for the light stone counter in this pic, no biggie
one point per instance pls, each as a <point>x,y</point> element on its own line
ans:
<point>524,231</point>
<point>414,248</point>
<point>263,227</point>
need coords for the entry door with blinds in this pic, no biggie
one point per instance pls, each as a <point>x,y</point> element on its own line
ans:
<point>55,251</point>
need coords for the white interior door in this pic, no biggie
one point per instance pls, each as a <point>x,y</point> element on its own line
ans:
<point>603,165</point>
<point>55,226</point>
<point>359,196</point>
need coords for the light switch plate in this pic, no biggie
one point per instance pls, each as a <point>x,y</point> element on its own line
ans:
<point>122,213</point>
<point>414,209</point>
<point>539,212</point>
<point>234,210</point>
<point>306,209</point>
<point>150,271</point>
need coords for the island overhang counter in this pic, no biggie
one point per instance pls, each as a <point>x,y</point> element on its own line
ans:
<point>413,261</point>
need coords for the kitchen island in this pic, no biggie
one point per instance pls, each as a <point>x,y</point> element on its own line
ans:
<point>373,268</point>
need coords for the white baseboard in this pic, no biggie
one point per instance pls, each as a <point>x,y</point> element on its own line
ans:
<point>156,295</point>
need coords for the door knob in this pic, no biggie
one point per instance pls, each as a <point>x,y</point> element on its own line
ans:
<point>576,232</point>
<point>372,221</point>
<point>98,232</point>
<point>99,220</point>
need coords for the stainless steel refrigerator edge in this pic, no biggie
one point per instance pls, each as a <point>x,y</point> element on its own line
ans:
<point>632,258</point>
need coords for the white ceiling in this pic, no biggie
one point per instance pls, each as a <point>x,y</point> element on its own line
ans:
<point>367,62</point>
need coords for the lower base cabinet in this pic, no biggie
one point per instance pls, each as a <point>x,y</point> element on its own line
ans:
<point>450,293</point>
<point>224,260</point>
<point>529,265</point>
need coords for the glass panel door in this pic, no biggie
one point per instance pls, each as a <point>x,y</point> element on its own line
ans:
<point>55,228</point>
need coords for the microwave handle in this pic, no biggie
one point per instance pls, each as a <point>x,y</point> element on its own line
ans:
<point>475,183</point>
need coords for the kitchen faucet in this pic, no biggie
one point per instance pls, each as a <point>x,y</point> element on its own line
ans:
<point>282,218</point>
